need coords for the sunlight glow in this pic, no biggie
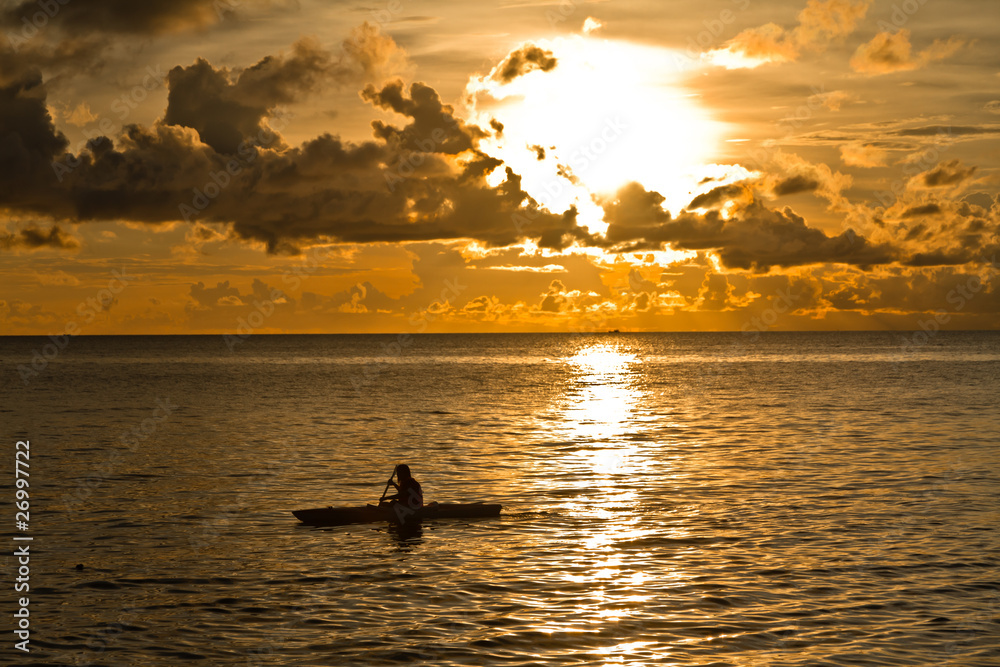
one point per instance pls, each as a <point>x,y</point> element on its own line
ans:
<point>608,113</point>
<point>735,59</point>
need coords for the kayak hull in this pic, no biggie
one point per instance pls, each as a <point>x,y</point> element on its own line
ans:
<point>342,516</point>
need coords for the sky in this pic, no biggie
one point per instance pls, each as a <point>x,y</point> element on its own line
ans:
<point>239,167</point>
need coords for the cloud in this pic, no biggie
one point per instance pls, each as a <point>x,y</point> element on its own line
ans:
<point>209,297</point>
<point>753,237</point>
<point>226,108</point>
<point>32,238</point>
<point>525,59</point>
<point>718,196</point>
<point>554,300</point>
<point>377,55</point>
<point>800,175</point>
<point>15,313</point>
<point>80,116</point>
<point>23,58</point>
<point>993,106</point>
<point>637,283</point>
<point>715,292</point>
<point>60,278</point>
<point>362,297</point>
<point>434,129</point>
<point>420,178</point>
<point>486,308</point>
<point>891,52</point>
<point>928,290</point>
<point>823,21</point>
<point>857,154</point>
<point>946,173</point>
<point>834,99</point>
<point>203,99</point>
<point>225,308</point>
<point>123,16</point>
<point>406,185</point>
<point>794,185</point>
<point>935,228</point>
<point>590,24</point>
<point>753,47</point>
<point>28,138</point>
<point>947,130</point>
<point>920,211</point>
<point>819,23</point>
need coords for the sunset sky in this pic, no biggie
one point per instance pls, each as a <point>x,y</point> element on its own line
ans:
<point>230,165</point>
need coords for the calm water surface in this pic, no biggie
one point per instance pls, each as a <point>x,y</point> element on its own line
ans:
<point>669,499</point>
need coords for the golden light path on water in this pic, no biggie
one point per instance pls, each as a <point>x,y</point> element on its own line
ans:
<point>602,412</point>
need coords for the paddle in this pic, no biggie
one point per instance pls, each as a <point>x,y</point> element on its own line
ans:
<point>387,485</point>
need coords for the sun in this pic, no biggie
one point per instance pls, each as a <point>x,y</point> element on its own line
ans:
<point>608,113</point>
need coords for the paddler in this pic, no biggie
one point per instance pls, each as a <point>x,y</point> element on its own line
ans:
<point>409,494</point>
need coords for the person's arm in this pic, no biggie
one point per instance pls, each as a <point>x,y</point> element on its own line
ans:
<point>394,496</point>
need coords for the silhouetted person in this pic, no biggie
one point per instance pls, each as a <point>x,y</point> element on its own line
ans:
<point>408,491</point>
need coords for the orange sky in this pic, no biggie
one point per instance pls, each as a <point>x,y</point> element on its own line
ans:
<point>201,167</point>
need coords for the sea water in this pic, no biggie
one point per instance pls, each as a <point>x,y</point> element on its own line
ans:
<point>669,499</point>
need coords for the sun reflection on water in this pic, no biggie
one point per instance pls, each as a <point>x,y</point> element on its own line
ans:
<point>603,451</point>
<point>599,411</point>
<point>604,392</point>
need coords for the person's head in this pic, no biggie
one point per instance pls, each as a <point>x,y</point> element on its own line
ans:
<point>403,472</point>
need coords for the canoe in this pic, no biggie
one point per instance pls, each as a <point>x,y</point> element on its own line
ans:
<point>341,516</point>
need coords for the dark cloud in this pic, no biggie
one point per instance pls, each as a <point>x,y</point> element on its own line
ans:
<point>70,55</point>
<point>715,292</point>
<point>634,214</point>
<point>947,173</point>
<point>917,232</point>
<point>717,196</point>
<point>753,237</point>
<point>758,237</point>
<point>209,297</point>
<point>121,16</point>
<point>28,138</point>
<point>522,61</point>
<point>956,292</point>
<point>794,185</point>
<point>400,187</point>
<point>362,297</point>
<point>33,237</point>
<point>226,110</point>
<point>224,307</point>
<point>940,258</point>
<point>434,128</point>
<point>554,300</point>
<point>919,211</point>
<point>958,130</point>
<point>960,233</point>
<point>202,98</point>
<point>404,185</point>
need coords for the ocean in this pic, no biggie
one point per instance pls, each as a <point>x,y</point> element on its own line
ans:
<point>668,499</point>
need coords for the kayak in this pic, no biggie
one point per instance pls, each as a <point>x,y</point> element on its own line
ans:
<point>341,516</point>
